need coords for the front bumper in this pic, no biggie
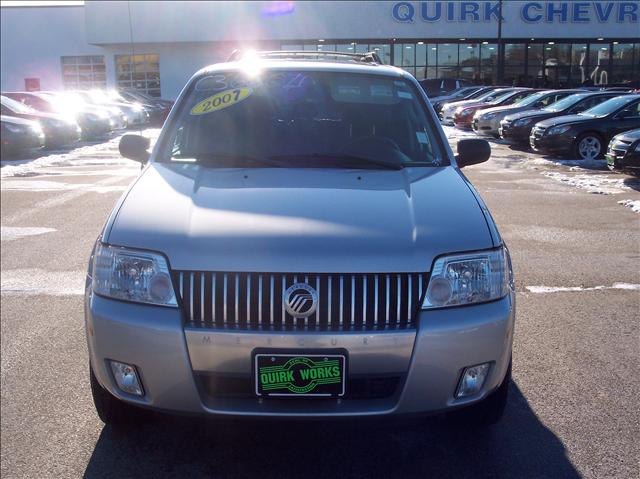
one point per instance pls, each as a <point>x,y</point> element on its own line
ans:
<point>173,361</point>
<point>516,134</point>
<point>463,123</point>
<point>550,144</point>
<point>486,127</point>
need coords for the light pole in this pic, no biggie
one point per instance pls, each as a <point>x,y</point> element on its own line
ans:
<point>500,46</point>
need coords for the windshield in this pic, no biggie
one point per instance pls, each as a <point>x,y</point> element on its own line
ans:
<point>288,118</point>
<point>16,106</point>
<point>501,97</point>
<point>607,107</point>
<point>532,99</point>
<point>566,102</point>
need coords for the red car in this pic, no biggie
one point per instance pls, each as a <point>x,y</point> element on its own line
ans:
<point>464,115</point>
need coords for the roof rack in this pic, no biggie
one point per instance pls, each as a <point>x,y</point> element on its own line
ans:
<point>368,57</point>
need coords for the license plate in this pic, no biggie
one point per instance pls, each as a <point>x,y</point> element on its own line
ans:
<point>300,375</point>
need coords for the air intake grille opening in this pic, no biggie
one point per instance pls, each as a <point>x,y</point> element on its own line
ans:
<point>254,301</point>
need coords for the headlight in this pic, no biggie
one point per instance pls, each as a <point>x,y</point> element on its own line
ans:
<point>132,275</point>
<point>14,128</point>
<point>468,278</point>
<point>522,122</point>
<point>558,130</point>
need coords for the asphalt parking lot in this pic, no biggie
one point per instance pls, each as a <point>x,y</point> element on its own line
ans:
<point>573,410</point>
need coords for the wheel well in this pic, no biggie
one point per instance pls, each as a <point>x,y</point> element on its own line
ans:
<point>591,133</point>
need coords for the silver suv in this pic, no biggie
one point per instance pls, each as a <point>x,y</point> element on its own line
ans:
<point>300,242</point>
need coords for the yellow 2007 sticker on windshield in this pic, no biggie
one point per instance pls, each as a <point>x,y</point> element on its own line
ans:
<point>221,100</point>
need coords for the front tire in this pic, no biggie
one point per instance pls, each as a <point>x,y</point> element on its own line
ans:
<point>112,411</point>
<point>588,146</point>
<point>487,412</point>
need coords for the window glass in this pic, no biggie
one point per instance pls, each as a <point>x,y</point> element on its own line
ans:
<point>488,63</point>
<point>623,63</point>
<point>83,72</point>
<point>421,54</point>
<point>469,58</point>
<point>448,54</point>
<point>557,65</point>
<point>599,63</point>
<point>432,58</point>
<point>535,67</point>
<point>141,72</point>
<point>514,69</point>
<point>579,57</point>
<point>383,50</point>
<point>303,118</point>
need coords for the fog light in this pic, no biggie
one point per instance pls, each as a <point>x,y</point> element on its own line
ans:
<point>126,378</point>
<point>472,380</point>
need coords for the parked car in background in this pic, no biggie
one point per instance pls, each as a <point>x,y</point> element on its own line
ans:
<point>516,127</point>
<point>134,113</point>
<point>623,153</point>
<point>463,115</point>
<point>487,121</point>
<point>585,136</point>
<point>58,129</point>
<point>466,93</point>
<point>442,86</point>
<point>157,108</point>
<point>19,134</point>
<point>459,93</point>
<point>448,109</point>
<point>94,122</point>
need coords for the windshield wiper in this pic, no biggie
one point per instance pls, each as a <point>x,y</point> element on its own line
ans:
<point>342,160</point>
<point>227,160</point>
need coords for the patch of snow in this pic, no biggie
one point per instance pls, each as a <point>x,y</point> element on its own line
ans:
<point>562,289</point>
<point>576,164</point>
<point>10,233</point>
<point>41,185</point>
<point>453,133</point>
<point>39,281</point>
<point>633,204</point>
<point>105,153</point>
<point>599,184</point>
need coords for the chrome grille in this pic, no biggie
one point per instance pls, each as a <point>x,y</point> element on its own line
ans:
<point>538,131</point>
<point>254,301</point>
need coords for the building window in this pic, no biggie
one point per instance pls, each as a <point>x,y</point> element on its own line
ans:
<point>623,63</point>
<point>140,72</point>
<point>83,72</point>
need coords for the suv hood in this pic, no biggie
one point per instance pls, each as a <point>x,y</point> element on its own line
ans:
<point>300,220</point>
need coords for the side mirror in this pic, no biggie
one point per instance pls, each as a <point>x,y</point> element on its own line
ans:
<point>472,152</point>
<point>135,147</point>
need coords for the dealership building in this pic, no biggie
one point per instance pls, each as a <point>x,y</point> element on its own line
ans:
<point>157,46</point>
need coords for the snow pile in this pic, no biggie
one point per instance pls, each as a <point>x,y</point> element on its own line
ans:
<point>453,133</point>
<point>561,289</point>
<point>95,154</point>
<point>577,164</point>
<point>599,184</point>
<point>10,233</point>
<point>39,281</point>
<point>633,204</point>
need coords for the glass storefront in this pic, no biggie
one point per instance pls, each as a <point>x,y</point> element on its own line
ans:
<point>526,63</point>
